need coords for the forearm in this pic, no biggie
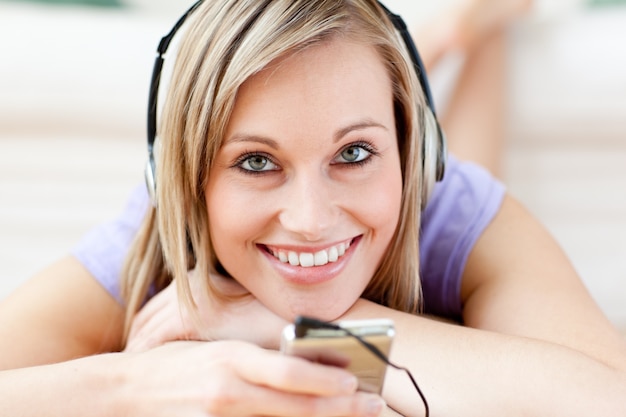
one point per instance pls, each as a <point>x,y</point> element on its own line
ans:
<point>83,387</point>
<point>469,372</point>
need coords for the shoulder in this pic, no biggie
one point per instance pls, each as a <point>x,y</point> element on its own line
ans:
<point>461,207</point>
<point>103,249</point>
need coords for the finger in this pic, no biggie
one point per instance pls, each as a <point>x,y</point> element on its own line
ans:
<point>296,375</point>
<point>162,326</point>
<point>145,320</point>
<point>145,314</point>
<point>360,404</point>
<point>142,342</point>
<point>161,329</point>
<point>258,400</point>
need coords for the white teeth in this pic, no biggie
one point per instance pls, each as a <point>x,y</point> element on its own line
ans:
<point>321,258</point>
<point>333,254</point>
<point>294,259</point>
<point>307,259</point>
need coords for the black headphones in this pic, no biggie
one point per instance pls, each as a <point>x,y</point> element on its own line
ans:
<point>434,139</point>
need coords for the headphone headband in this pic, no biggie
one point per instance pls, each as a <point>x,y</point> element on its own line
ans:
<point>418,64</point>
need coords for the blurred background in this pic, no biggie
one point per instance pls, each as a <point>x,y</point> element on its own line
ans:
<point>74,79</point>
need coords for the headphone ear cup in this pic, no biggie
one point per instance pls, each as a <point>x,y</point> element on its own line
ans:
<point>434,154</point>
<point>150,176</point>
<point>150,170</point>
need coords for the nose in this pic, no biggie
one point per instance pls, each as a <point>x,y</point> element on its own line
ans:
<point>309,206</point>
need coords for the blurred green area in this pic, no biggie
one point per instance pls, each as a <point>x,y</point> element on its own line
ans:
<point>98,3</point>
<point>606,2</point>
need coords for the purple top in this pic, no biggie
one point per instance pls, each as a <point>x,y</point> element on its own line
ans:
<point>460,208</point>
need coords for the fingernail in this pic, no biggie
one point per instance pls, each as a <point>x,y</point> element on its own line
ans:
<point>349,384</point>
<point>374,406</point>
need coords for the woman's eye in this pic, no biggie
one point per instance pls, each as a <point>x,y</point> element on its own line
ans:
<point>257,163</point>
<point>352,154</point>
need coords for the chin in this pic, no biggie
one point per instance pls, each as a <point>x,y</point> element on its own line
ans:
<point>321,313</point>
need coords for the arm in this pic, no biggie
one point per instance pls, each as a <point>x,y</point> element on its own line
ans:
<point>53,335</point>
<point>518,281</point>
<point>61,313</point>
<point>43,390</point>
<point>191,379</point>
<point>539,345</point>
<point>472,372</point>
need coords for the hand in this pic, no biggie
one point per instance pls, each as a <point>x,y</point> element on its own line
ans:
<point>241,317</point>
<point>390,412</point>
<point>236,379</point>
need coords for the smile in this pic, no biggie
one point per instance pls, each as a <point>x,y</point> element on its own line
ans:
<point>309,259</point>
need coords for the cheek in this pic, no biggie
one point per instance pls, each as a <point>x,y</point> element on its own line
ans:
<point>233,218</point>
<point>382,203</point>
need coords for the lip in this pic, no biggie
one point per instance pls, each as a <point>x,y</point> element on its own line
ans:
<point>311,275</point>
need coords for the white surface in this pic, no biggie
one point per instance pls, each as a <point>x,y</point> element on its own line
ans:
<point>568,78</point>
<point>566,156</point>
<point>73,92</point>
<point>75,68</point>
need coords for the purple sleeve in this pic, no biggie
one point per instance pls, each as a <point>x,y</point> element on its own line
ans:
<point>460,209</point>
<point>102,251</point>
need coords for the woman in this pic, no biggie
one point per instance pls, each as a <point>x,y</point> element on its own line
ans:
<point>293,131</point>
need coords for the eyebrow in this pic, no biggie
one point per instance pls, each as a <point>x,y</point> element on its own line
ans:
<point>242,137</point>
<point>360,125</point>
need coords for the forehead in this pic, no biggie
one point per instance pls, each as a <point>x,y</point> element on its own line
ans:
<point>337,78</point>
<point>332,58</point>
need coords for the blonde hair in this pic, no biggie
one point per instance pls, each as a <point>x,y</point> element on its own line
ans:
<point>226,42</point>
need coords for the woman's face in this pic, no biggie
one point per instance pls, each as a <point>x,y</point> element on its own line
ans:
<point>304,196</point>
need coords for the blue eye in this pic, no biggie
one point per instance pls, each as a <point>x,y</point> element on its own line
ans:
<point>256,163</point>
<point>354,154</point>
